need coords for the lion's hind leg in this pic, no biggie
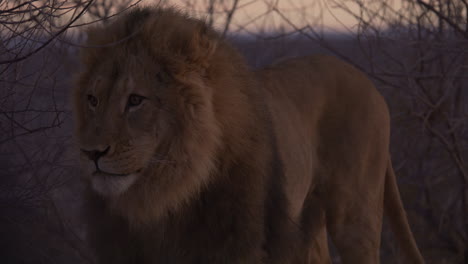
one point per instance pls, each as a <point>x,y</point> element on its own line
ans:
<point>318,252</point>
<point>314,231</point>
<point>354,221</point>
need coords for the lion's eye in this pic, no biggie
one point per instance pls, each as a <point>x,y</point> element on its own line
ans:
<point>92,100</point>
<point>134,100</point>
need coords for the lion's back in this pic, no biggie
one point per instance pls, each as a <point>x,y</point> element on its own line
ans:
<point>321,101</point>
<point>318,89</point>
<point>316,79</point>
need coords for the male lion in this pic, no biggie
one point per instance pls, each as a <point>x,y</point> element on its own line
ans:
<point>191,157</point>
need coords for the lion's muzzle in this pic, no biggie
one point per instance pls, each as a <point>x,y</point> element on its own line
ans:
<point>105,179</point>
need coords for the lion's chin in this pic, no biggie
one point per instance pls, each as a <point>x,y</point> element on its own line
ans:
<point>112,185</point>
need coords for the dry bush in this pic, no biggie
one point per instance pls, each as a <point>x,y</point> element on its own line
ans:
<point>39,186</point>
<point>415,52</point>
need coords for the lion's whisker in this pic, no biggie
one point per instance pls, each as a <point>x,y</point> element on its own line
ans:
<point>157,160</point>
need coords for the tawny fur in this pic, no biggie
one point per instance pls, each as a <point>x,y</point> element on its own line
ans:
<point>228,165</point>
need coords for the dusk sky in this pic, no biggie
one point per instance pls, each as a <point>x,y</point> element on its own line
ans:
<point>253,15</point>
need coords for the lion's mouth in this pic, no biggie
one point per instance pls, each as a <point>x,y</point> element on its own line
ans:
<point>112,184</point>
<point>99,172</point>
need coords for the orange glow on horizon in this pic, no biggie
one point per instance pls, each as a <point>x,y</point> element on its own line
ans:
<point>252,16</point>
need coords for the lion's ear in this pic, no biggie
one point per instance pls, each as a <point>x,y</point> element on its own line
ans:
<point>202,45</point>
<point>180,39</point>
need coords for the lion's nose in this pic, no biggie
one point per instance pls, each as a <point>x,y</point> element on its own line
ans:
<point>95,154</point>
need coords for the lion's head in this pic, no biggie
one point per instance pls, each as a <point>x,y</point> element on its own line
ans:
<point>145,118</point>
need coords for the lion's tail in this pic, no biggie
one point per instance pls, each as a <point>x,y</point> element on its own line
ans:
<point>398,221</point>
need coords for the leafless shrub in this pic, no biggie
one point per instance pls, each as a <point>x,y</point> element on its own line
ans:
<point>415,51</point>
<point>37,177</point>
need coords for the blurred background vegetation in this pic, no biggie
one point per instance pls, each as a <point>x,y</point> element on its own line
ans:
<point>415,51</point>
